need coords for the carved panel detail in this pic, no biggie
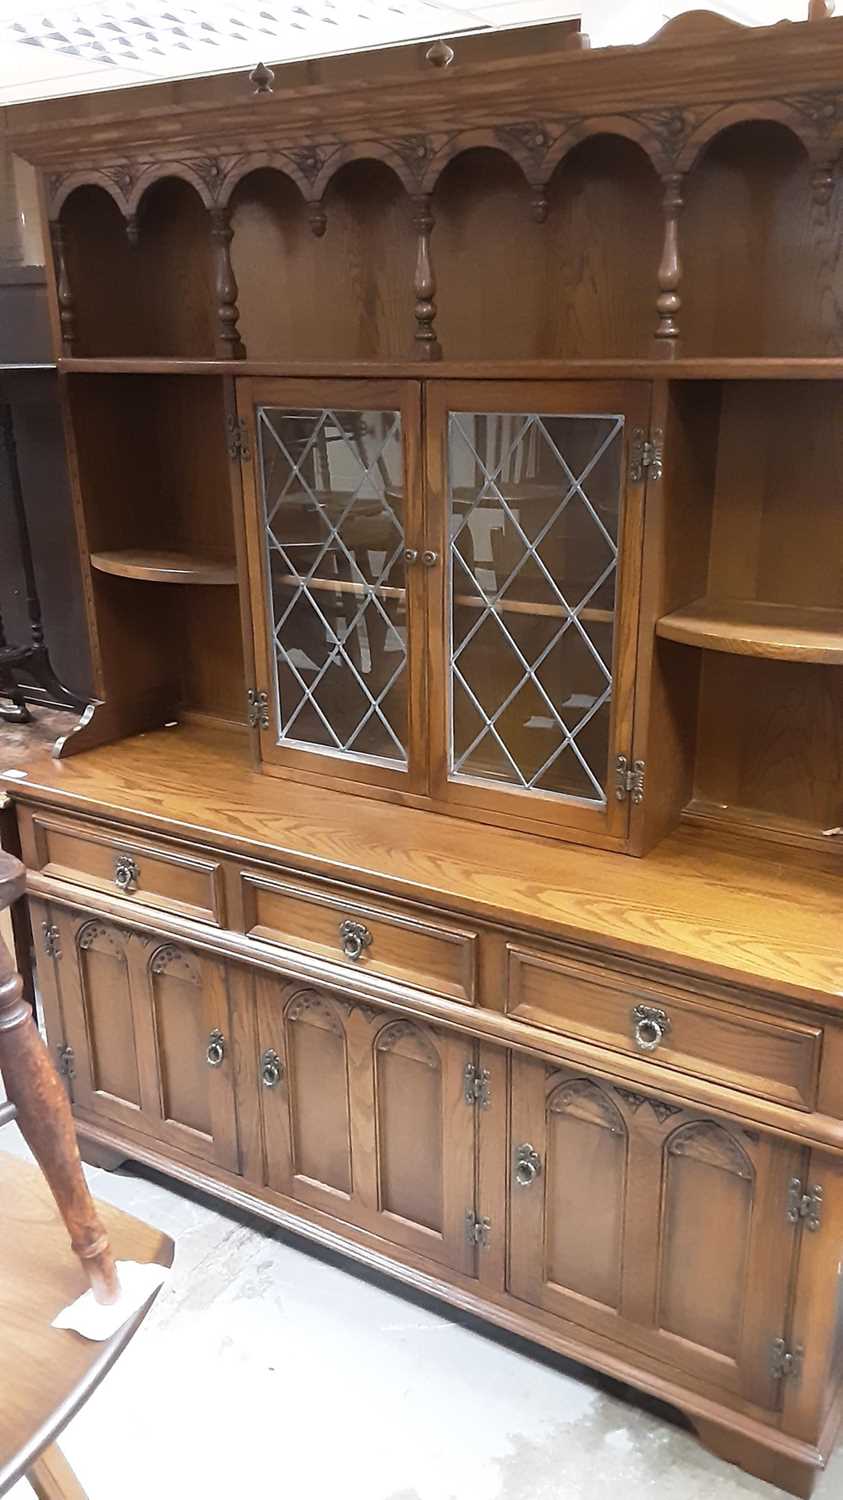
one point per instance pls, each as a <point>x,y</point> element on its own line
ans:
<point>173,960</point>
<point>317,1008</point>
<point>713,1145</point>
<point>97,932</point>
<point>587,1101</point>
<point>410,1039</point>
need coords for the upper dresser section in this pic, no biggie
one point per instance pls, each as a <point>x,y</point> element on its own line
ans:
<point>450,201</point>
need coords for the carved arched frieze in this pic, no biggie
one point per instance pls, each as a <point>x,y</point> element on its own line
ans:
<point>409,1039</point>
<point>778,111</point>
<point>471,140</point>
<point>116,181</point>
<point>102,938</point>
<point>301,166</point>
<point>586,1100</point>
<point>712,1144</point>
<point>342,155</point>
<point>314,1008</point>
<point>643,129</point>
<point>173,960</point>
<point>203,175</point>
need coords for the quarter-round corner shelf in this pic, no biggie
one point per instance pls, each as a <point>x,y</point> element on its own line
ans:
<point>747,627</point>
<point>164,567</point>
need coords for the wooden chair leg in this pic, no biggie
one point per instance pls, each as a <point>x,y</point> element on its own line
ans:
<point>52,1478</point>
<point>43,1111</point>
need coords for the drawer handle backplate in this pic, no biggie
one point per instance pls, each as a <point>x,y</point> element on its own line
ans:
<point>216,1048</point>
<point>272,1068</point>
<point>650,1025</point>
<point>354,938</point>
<point>126,873</point>
<point>528,1165</point>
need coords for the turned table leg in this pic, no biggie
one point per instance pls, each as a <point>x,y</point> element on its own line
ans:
<point>43,1111</point>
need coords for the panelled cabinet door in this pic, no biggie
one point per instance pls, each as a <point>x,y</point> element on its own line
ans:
<point>365,1117</point>
<point>655,1225</point>
<point>104,1021</point>
<point>540,504</point>
<point>146,1022</point>
<point>185,1013</point>
<point>334,533</point>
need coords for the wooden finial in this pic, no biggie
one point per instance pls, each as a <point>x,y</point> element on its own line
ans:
<point>820,10</point>
<point>263,78</point>
<point>439,55</point>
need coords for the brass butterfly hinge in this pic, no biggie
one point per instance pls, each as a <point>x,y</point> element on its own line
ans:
<point>52,940</point>
<point>629,779</point>
<point>476,1085</point>
<point>646,455</point>
<point>257,709</point>
<point>805,1205</point>
<point>785,1363</point>
<point>476,1229</point>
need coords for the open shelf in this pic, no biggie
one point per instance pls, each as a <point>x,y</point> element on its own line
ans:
<point>164,567</point>
<point>747,627</point>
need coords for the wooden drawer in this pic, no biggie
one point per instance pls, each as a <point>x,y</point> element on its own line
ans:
<point>440,957</point>
<point>141,872</point>
<point>774,1057</point>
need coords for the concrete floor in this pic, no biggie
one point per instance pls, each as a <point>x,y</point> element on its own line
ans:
<point>268,1368</point>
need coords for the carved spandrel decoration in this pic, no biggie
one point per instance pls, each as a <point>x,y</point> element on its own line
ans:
<point>660,1107</point>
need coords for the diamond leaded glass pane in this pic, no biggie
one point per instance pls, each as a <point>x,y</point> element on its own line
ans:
<point>333,511</point>
<point>534,510</point>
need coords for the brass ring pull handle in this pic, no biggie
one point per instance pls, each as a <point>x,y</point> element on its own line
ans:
<point>216,1048</point>
<point>650,1026</point>
<point>272,1068</point>
<point>528,1165</point>
<point>429,557</point>
<point>354,938</point>
<point>126,873</point>
<point>411,555</point>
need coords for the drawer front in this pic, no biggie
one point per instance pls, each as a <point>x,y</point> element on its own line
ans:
<point>397,944</point>
<point>140,872</point>
<point>775,1058</point>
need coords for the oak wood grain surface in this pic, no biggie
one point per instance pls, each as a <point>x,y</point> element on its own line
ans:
<point>691,902</point>
<point>47,1373</point>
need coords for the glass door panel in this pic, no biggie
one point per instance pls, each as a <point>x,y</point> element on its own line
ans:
<point>536,502</point>
<point>335,501</point>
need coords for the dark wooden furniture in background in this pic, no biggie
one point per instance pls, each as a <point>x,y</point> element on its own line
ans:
<point>43,637</point>
<point>458,490</point>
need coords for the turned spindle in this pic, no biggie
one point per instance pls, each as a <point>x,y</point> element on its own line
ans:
<point>64,294</point>
<point>43,1112</point>
<point>317,218</point>
<point>424,282</point>
<point>228,341</point>
<point>668,301</point>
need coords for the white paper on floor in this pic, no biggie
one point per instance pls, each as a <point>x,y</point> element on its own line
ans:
<point>94,1321</point>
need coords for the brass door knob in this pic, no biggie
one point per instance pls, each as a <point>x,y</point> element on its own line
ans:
<point>650,1025</point>
<point>528,1165</point>
<point>411,555</point>
<point>429,557</point>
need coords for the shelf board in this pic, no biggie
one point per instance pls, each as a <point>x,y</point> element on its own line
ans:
<point>646,368</point>
<point>164,567</point>
<point>746,627</point>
